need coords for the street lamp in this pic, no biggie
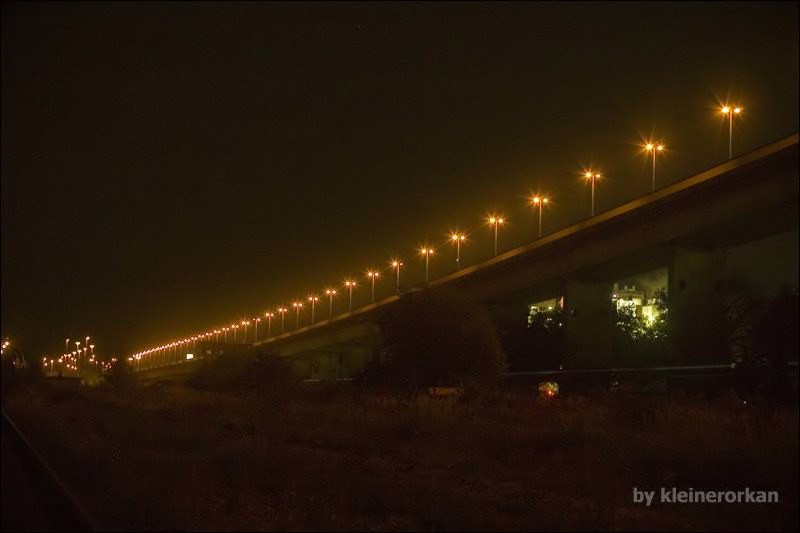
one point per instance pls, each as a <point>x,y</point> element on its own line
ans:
<point>313,300</point>
<point>234,327</point>
<point>731,111</point>
<point>655,148</point>
<point>457,238</point>
<point>427,252</point>
<point>373,274</point>
<point>593,176</point>
<point>297,306</point>
<point>496,222</point>
<point>269,316</point>
<point>331,293</point>
<point>245,323</point>
<point>350,284</point>
<point>396,264</point>
<point>539,201</point>
<point>255,332</point>
<point>66,345</point>
<point>282,311</point>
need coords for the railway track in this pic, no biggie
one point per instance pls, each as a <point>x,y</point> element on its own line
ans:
<point>34,498</point>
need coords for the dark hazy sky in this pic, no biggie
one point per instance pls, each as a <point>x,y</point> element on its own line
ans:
<point>170,167</point>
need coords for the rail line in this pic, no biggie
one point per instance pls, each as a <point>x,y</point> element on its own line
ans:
<point>62,511</point>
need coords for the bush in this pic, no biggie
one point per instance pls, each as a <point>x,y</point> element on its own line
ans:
<point>122,377</point>
<point>435,338</point>
<point>258,371</point>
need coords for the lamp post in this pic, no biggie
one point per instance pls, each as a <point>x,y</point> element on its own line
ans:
<point>373,274</point>
<point>331,293</point>
<point>234,327</point>
<point>245,323</point>
<point>654,148</point>
<point>282,310</point>
<point>66,345</point>
<point>255,331</point>
<point>313,300</point>
<point>427,252</point>
<point>496,222</point>
<point>350,284</point>
<point>593,176</point>
<point>297,306</point>
<point>269,316</point>
<point>396,264</point>
<point>539,201</point>
<point>457,239</point>
<point>731,111</point>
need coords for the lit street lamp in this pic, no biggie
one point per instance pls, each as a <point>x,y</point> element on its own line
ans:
<point>373,274</point>
<point>593,176</point>
<point>731,111</point>
<point>457,239</point>
<point>396,264</point>
<point>269,316</point>
<point>313,300</point>
<point>245,324</point>
<point>297,306</point>
<point>350,284</point>
<point>540,201</point>
<point>427,252</point>
<point>282,311</point>
<point>655,148</point>
<point>255,331</point>
<point>331,293</point>
<point>496,222</point>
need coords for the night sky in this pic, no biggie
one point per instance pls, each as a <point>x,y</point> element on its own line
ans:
<point>169,168</point>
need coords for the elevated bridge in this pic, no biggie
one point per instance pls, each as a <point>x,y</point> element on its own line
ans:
<point>737,220</point>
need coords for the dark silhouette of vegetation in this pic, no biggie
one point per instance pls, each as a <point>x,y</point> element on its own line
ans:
<point>122,377</point>
<point>775,344</point>
<point>16,370</point>
<point>436,338</point>
<point>532,342</point>
<point>258,371</point>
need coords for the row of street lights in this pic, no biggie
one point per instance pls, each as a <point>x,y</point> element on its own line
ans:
<point>456,238</point>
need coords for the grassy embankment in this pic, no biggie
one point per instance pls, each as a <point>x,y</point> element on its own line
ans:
<point>179,458</point>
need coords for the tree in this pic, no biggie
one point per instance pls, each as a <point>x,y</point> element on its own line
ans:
<point>436,338</point>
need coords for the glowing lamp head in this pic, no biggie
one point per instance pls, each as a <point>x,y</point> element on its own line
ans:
<point>660,147</point>
<point>737,110</point>
<point>726,110</point>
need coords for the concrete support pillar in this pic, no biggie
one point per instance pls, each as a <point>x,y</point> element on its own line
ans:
<point>589,327</point>
<point>697,329</point>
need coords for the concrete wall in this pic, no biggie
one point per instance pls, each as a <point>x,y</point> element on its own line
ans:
<point>590,323</point>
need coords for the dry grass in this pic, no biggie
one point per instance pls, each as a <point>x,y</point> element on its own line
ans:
<point>177,458</point>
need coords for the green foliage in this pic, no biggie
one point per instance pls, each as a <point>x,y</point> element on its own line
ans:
<point>640,327</point>
<point>436,338</point>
